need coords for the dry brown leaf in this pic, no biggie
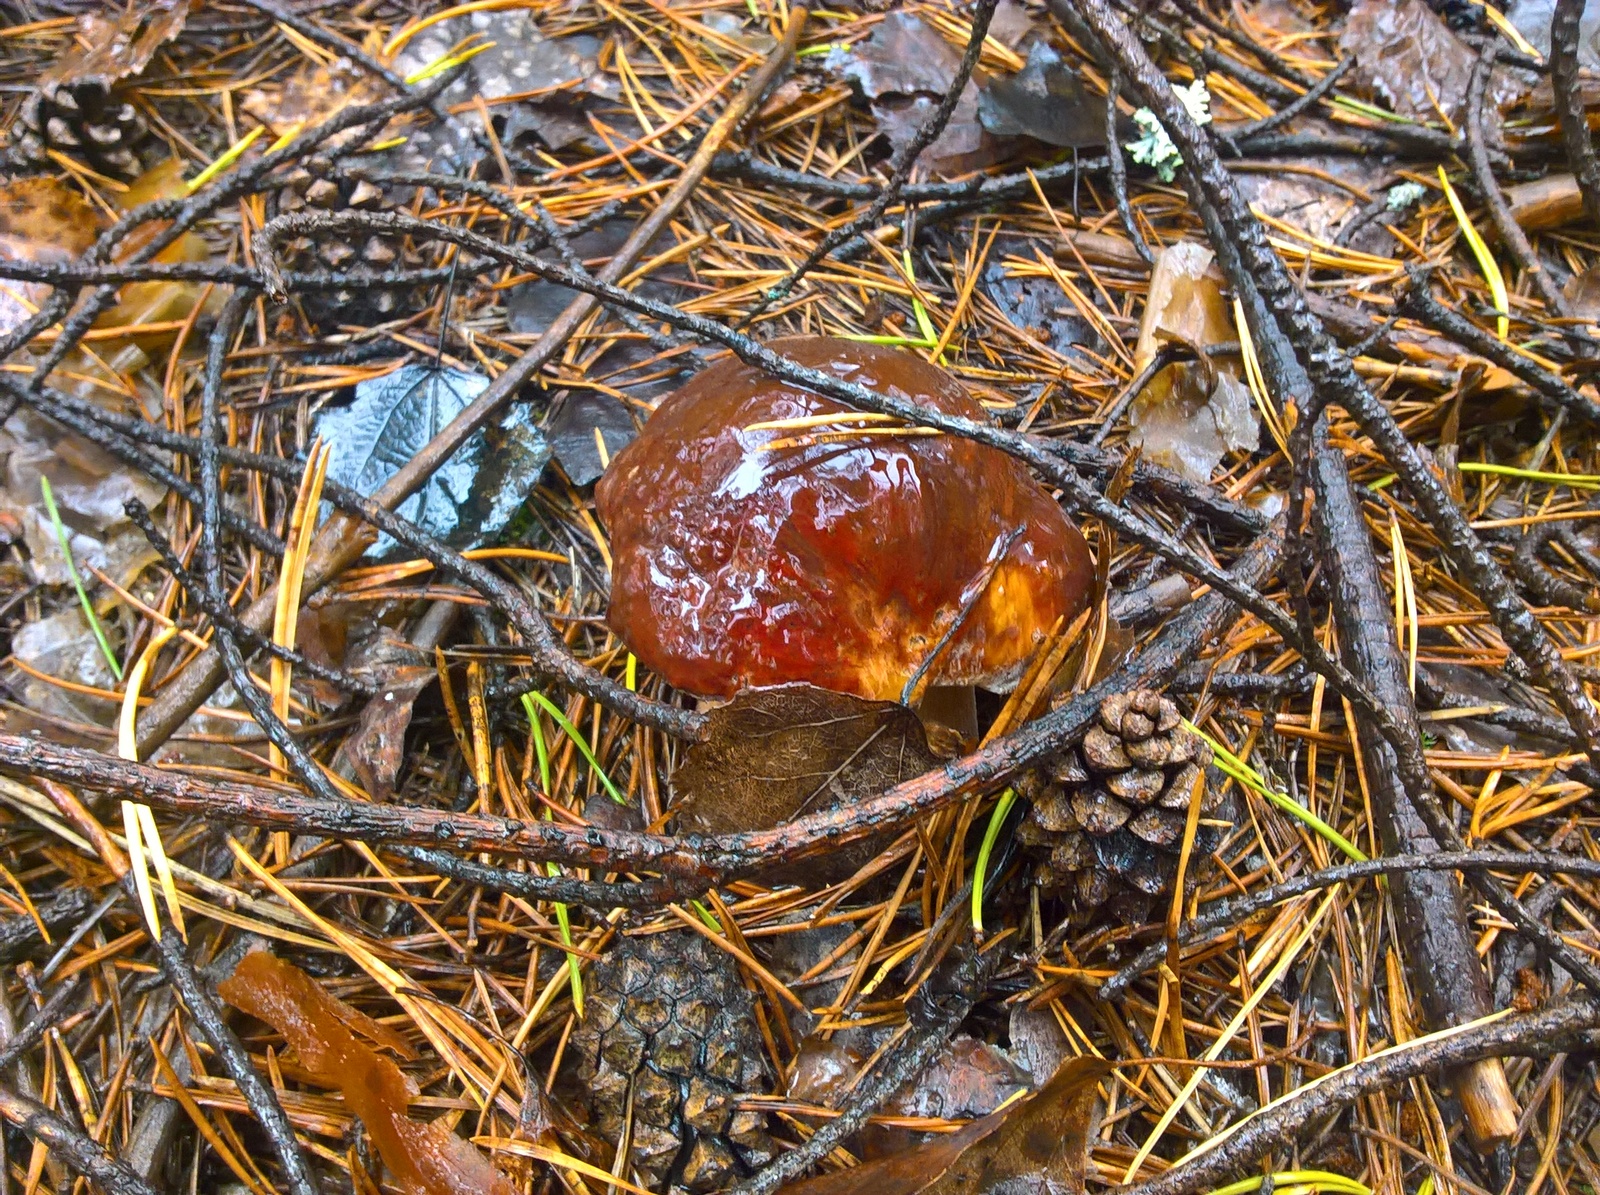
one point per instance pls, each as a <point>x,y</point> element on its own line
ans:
<point>1409,57</point>
<point>116,46</point>
<point>376,746</point>
<point>771,755</point>
<point>1038,1144</point>
<point>42,220</point>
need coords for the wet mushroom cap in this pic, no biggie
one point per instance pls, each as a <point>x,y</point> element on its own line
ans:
<point>840,559</point>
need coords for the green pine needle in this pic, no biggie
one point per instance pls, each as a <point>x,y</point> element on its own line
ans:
<point>1309,1180</point>
<point>563,918</point>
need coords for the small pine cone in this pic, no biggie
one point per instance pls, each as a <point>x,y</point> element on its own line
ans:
<point>1106,820</point>
<point>84,121</point>
<point>360,255</point>
<point>668,1020</point>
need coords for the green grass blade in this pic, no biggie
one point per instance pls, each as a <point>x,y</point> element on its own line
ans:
<point>1232,766</point>
<point>579,741</point>
<point>980,869</point>
<point>77,581</point>
<point>1310,1180</point>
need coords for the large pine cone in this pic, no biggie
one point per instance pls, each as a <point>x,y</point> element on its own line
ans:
<point>1107,819</point>
<point>668,1023</point>
<point>368,254</point>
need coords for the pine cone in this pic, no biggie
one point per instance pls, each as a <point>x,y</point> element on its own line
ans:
<point>1107,819</point>
<point>87,122</point>
<point>669,1027</point>
<point>365,255</point>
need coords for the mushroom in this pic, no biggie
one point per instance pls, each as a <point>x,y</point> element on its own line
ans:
<point>854,556</point>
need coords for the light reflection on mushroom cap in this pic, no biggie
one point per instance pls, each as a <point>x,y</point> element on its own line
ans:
<point>837,562</point>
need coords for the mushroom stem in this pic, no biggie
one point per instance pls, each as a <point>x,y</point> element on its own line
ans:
<point>953,708</point>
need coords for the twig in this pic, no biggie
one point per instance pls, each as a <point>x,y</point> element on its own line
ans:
<point>1570,113</point>
<point>1511,234</point>
<point>1279,1123</point>
<point>1430,918</point>
<point>900,167</point>
<point>1232,137</point>
<point>39,1024</point>
<point>934,1013</point>
<point>1420,303</point>
<point>180,973</point>
<point>82,1153</point>
<point>695,860</point>
<point>1336,381</point>
<point>1119,179</point>
<point>1223,915</point>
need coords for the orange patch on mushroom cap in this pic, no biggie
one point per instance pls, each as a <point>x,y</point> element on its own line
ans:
<point>840,562</point>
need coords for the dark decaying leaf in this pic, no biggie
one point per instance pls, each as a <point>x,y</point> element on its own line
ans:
<point>1408,56</point>
<point>969,1078</point>
<point>771,755</point>
<point>903,56</point>
<point>1045,101</point>
<point>376,747</point>
<point>904,68</point>
<point>522,59</point>
<point>1036,1145</point>
<point>475,493</point>
<point>576,421</point>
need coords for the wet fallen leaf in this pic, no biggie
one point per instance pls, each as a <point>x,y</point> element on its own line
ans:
<point>1174,420</point>
<point>905,68</point>
<point>771,755</point>
<point>154,302</point>
<point>1408,56</point>
<point>1583,292</point>
<point>313,94</point>
<point>970,1078</point>
<point>555,74</point>
<point>420,1157</point>
<point>112,46</point>
<point>475,493</point>
<point>579,423</point>
<point>533,306</point>
<point>1037,1041</point>
<point>1038,1144</point>
<point>90,488</point>
<point>1046,101</point>
<point>64,647</point>
<point>1037,306</point>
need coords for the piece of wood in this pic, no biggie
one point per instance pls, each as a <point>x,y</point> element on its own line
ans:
<point>1430,915</point>
<point>1549,202</point>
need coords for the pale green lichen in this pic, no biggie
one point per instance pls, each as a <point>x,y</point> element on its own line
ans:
<point>1155,149</point>
<point>1403,195</point>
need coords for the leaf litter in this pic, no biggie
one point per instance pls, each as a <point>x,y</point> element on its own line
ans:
<point>1038,299</point>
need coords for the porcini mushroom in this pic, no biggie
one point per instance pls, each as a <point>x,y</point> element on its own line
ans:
<point>843,556</point>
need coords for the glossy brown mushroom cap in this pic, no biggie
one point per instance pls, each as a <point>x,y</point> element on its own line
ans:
<point>839,563</point>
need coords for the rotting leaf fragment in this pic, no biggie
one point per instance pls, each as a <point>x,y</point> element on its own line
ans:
<point>1037,1145</point>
